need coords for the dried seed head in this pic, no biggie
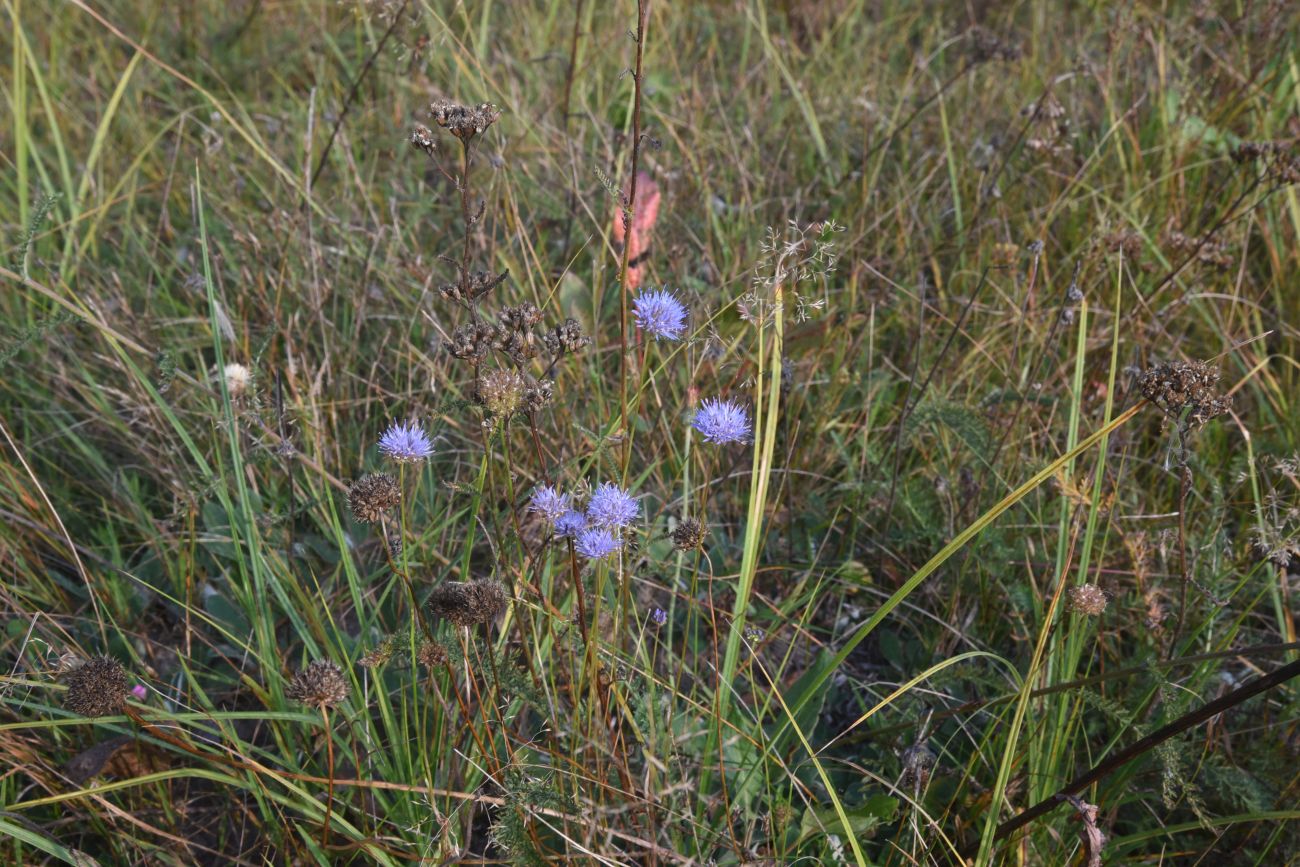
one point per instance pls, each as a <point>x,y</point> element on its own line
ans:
<point>478,284</point>
<point>522,318</point>
<point>320,684</point>
<point>918,763</point>
<point>422,139</point>
<point>431,655</point>
<point>462,121</point>
<point>472,341</point>
<point>468,604</point>
<point>689,535</point>
<point>1184,391</point>
<point>394,541</point>
<point>500,392</point>
<point>538,393</point>
<point>380,655</point>
<point>1087,599</point>
<point>96,688</point>
<point>372,496</point>
<point>568,337</point>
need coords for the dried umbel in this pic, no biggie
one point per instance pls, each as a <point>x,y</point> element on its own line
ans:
<point>1087,599</point>
<point>1185,392</point>
<point>468,604</point>
<point>537,393</point>
<point>500,392</point>
<point>463,121</point>
<point>568,337</point>
<point>478,284</point>
<point>472,341</point>
<point>422,139</point>
<point>689,535</point>
<point>373,496</point>
<point>320,684</point>
<point>96,688</point>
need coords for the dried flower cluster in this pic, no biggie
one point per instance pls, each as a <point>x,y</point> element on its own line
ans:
<point>1185,392</point>
<point>1281,162</point>
<point>96,688</point>
<point>689,535</point>
<point>320,684</point>
<point>373,496</point>
<point>468,604</point>
<point>464,122</point>
<point>1087,599</point>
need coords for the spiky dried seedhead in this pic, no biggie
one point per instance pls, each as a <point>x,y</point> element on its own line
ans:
<point>320,684</point>
<point>500,392</point>
<point>468,604</point>
<point>1087,599</point>
<point>96,688</point>
<point>373,496</point>
<point>689,535</point>
<point>462,121</point>
<point>431,655</point>
<point>1185,392</point>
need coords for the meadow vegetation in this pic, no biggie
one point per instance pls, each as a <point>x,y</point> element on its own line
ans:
<point>726,433</point>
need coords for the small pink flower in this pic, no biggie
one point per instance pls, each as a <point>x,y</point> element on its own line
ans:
<point>139,691</point>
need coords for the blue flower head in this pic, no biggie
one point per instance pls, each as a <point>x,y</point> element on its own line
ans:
<point>659,616</point>
<point>722,421</point>
<point>548,502</point>
<point>612,507</point>
<point>660,314</point>
<point>406,442</point>
<point>571,523</point>
<point>597,544</point>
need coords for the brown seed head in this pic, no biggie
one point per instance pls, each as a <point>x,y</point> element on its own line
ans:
<point>468,604</point>
<point>422,139</point>
<point>462,121</point>
<point>689,535</point>
<point>320,684</point>
<point>500,392</point>
<point>96,688</point>
<point>1087,599</point>
<point>1184,391</point>
<point>431,655</point>
<point>472,341</point>
<point>373,496</point>
<point>538,394</point>
<point>568,337</point>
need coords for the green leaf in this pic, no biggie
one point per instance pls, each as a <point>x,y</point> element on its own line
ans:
<point>864,819</point>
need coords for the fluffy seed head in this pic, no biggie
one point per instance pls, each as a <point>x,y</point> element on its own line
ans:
<point>372,496</point>
<point>500,392</point>
<point>597,543</point>
<point>611,507</point>
<point>406,443</point>
<point>238,378</point>
<point>549,502</point>
<point>689,535</point>
<point>96,688</point>
<point>660,314</point>
<point>468,604</point>
<point>1087,599</point>
<point>320,684</point>
<point>720,421</point>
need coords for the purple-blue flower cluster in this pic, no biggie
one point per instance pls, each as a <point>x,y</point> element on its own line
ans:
<point>597,533</point>
<point>406,443</point>
<point>720,421</point>
<point>659,314</point>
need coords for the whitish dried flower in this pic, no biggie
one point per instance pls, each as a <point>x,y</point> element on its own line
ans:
<point>1087,599</point>
<point>238,378</point>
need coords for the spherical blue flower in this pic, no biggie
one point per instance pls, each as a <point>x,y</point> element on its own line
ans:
<point>611,507</point>
<point>659,616</point>
<point>597,544</point>
<point>571,523</point>
<point>548,502</point>
<point>722,421</point>
<point>406,442</point>
<point>660,314</point>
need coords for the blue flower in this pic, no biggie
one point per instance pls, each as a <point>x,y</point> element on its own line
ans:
<point>571,523</point>
<point>406,442</point>
<point>660,314</point>
<point>612,507</point>
<point>548,502</point>
<point>659,616</point>
<point>597,544</point>
<point>722,421</point>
